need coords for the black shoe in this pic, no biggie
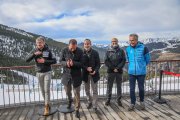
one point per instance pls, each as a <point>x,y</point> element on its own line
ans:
<point>119,103</point>
<point>89,106</point>
<point>77,114</point>
<point>107,102</point>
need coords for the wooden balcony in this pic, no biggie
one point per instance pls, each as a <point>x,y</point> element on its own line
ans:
<point>153,111</point>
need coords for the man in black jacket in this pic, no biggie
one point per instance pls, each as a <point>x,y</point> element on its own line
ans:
<point>114,60</point>
<point>71,60</point>
<point>43,58</point>
<point>91,76</point>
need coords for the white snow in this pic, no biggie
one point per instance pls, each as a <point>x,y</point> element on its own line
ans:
<point>17,31</point>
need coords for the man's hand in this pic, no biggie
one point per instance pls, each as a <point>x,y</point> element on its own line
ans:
<point>93,73</point>
<point>71,62</point>
<point>68,64</point>
<point>40,60</point>
<point>89,69</point>
<point>38,53</point>
<point>115,70</point>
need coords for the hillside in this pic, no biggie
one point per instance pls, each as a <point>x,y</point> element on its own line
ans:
<point>156,46</point>
<point>15,45</point>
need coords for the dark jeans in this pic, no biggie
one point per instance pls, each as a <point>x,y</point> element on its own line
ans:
<point>132,83</point>
<point>111,78</point>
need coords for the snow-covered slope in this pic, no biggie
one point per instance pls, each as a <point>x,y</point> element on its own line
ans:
<point>171,45</point>
<point>16,31</point>
<point>16,43</point>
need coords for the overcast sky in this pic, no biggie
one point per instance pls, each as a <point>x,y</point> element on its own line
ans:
<point>98,20</point>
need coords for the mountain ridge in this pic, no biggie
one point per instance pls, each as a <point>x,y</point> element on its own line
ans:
<point>16,44</point>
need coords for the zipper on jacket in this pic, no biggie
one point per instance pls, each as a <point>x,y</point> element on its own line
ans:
<point>134,59</point>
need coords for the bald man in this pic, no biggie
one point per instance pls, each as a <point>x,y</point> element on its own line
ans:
<point>114,60</point>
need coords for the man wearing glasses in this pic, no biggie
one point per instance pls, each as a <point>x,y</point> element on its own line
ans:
<point>114,60</point>
<point>138,57</point>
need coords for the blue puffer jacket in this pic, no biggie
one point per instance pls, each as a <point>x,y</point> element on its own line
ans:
<point>138,57</point>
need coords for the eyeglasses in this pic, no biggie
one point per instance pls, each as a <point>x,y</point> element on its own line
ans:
<point>132,40</point>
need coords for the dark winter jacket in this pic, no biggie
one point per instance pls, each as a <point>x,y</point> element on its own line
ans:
<point>72,74</point>
<point>115,59</point>
<point>91,59</point>
<point>47,55</point>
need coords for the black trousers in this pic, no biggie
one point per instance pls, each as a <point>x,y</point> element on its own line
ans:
<point>111,78</point>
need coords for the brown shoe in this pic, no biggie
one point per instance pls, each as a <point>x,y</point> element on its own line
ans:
<point>46,109</point>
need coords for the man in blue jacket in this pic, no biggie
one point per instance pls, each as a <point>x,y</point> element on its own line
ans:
<point>138,57</point>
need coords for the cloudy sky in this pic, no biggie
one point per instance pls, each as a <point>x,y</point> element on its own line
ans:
<point>98,20</point>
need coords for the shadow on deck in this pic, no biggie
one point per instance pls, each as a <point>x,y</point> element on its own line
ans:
<point>153,111</point>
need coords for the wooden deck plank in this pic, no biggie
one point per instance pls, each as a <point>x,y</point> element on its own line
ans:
<point>171,112</point>
<point>124,110</point>
<point>56,116</point>
<point>133,114</point>
<point>9,115</point>
<point>82,115</point>
<point>105,111</point>
<point>65,116</point>
<point>1,111</point>
<point>142,113</point>
<point>69,116</point>
<point>50,117</point>
<point>174,102</point>
<point>62,117</point>
<point>18,113</point>
<point>112,112</point>
<point>94,115</point>
<point>72,115</point>
<point>24,113</point>
<point>145,112</point>
<point>119,110</point>
<point>30,113</point>
<point>171,109</point>
<point>41,118</point>
<point>161,111</point>
<point>153,111</point>
<point>101,114</point>
<point>157,111</point>
<point>4,113</point>
<point>35,115</point>
<point>86,111</point>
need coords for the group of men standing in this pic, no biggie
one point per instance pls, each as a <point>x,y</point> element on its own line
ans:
<point>83,65</point>
<point>73,60</point>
